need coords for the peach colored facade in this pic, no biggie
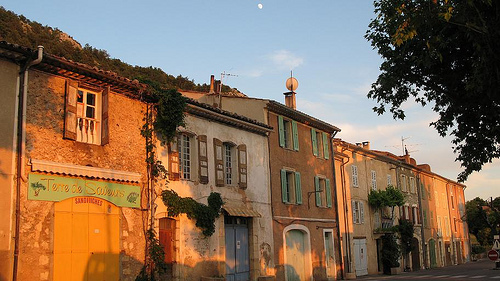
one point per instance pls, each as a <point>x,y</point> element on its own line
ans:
<point>434,204</point>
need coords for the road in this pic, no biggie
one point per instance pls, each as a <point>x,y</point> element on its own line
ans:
<point>480,270</point>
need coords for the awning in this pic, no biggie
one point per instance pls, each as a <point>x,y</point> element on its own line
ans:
<point>83,171</point>
<point>241,211</point>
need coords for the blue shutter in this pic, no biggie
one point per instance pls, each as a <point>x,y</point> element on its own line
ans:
<point>318,194</point>
<point>295,136</point>
<point>326,150</point>
<point>284,195</point>
<point>281,131</point>
<point>298,188</point>
<point>328,194</point>
<point>314,142</point>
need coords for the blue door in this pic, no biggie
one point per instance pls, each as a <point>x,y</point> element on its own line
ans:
<point>237,256</point>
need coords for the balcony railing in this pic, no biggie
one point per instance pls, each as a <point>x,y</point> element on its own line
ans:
<point>88,130</point>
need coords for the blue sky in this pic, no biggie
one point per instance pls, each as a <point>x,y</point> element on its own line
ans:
<point>321,41</point>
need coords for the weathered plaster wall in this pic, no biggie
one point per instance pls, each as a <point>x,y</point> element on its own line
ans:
<point>44,135</point>
<point>201,256</point>
<point>8,93</point>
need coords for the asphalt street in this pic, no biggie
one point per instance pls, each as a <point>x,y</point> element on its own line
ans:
<point>479,270</point>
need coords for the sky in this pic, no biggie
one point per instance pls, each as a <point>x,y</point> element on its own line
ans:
<point>321,41</point>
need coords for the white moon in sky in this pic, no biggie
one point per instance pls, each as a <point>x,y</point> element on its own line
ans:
<point>260,6</point>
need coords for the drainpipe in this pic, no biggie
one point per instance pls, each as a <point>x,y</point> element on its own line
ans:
<point>346,216</point>
<point>21,141</point>
<point>336,202</point>
<point>422,225</point>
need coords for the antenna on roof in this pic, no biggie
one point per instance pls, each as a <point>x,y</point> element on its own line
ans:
<point>222,75</point>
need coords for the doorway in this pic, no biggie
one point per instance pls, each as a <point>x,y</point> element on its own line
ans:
<point>432,253</point>
<point>415,255</point>
<point>237,254</point>
<point>86,239</point>
<point>361,257</point>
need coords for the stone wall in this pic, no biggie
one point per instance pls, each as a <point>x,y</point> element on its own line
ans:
<point>44,141</point>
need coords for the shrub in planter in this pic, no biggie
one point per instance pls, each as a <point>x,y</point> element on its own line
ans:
<point>390,252</point>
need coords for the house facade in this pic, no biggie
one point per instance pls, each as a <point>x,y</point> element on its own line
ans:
<point>304,212</point>
<point>72,170</point>
<point>433,204</point>
<point>219,151</point>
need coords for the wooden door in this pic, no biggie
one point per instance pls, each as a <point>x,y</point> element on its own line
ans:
<point>86,240</point>
<point>361,257</point>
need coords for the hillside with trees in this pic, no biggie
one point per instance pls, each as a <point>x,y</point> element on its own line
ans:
<point>19,30</point>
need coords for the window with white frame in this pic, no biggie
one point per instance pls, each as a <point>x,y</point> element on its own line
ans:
<point>354,176</point>
<point>229,163</point>
<point>389,180</point>
<point>291,190</point>
<point>374,180</point>
<point>185,153</point>
<point>88,112</point>
<point>358,212</point>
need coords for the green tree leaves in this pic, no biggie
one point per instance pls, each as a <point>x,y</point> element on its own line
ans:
<point>443,53</point>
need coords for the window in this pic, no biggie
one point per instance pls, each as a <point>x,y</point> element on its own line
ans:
<point>354,173</point>
<point>358,212</point>
<point>452,199</point>
<point>320,142</point>
<point>415,215</point>
<point>425,219</point>
<point>184,148</point>
<point>288,133</point>
<point>413,185</point>
<point>389,180</point>
<point>291,191</point>
<point>329,253</point>
<point>374,180</point>
<point>404,186</point>
<point>316,140</point>
<point>323,192</point>
<point>228,163</point>
<point>86,114</point>
<point>422,190</point>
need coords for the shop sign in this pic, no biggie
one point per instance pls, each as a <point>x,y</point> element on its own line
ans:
<point>55,188</point>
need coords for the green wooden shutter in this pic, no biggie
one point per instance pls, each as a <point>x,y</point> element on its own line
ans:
<point>298,188</point>
<point>284,195</point>
<point>281,131</point>
<point>326,150</point>
<point>328,193</point>
<point>318,194</point>
<point>295,136</point>
<point>314,142</point>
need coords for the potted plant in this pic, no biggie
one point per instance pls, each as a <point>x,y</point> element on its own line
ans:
<point>390,254</point>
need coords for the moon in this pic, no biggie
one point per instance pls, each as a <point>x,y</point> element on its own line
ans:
<point>260,6</point>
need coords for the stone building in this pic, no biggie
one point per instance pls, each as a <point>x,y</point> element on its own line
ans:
<point>72,169</point>
<point>219,151</point>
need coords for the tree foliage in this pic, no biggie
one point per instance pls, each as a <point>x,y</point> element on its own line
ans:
<point>443,53</point>
<point>204,215</point>
<point>483,219</point>
<point>390,197</point>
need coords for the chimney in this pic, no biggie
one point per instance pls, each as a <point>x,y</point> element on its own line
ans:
<point>366,145</point>
<point>290,100</point>
<point>212,80</point>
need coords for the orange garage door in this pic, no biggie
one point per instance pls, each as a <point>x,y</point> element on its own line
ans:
<point>86,240</point>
